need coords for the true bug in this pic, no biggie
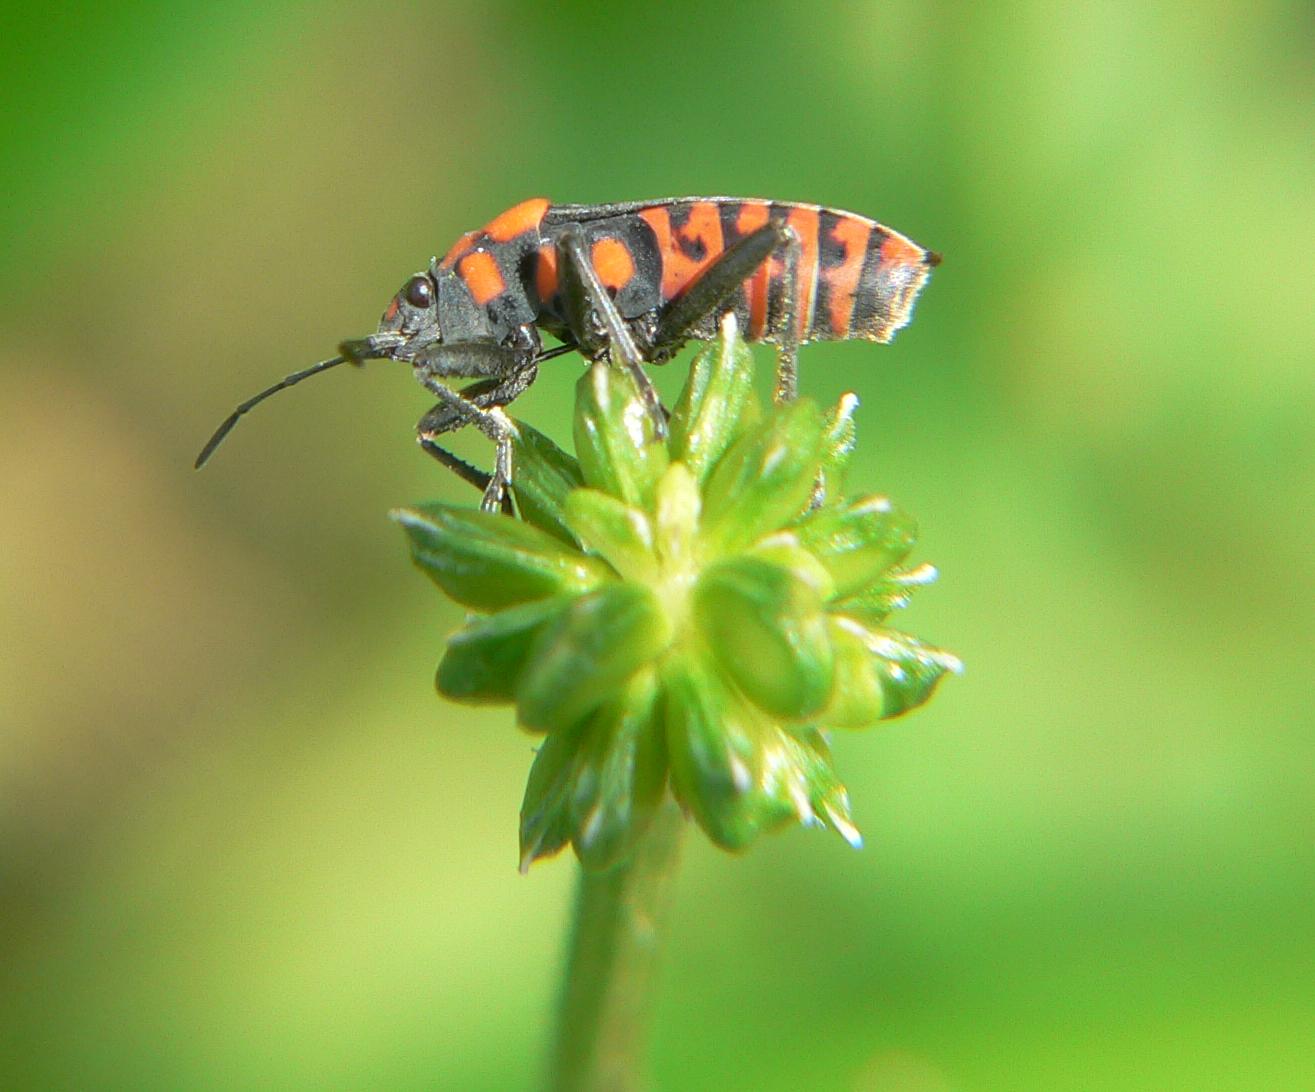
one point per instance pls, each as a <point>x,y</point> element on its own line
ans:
<point>629,283</point>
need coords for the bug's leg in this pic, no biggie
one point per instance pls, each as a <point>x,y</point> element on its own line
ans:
<point>787,349</point>
<point>584,296</point>
<point>714,287</point>
<point>479,405</point>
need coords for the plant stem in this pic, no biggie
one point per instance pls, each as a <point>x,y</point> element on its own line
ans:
<point>607,991</point>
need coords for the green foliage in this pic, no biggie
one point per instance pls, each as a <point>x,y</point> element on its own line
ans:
<point>693,612</point>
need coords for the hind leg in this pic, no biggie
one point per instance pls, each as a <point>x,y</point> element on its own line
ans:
<point>715,286</point>
<point>583,298</point>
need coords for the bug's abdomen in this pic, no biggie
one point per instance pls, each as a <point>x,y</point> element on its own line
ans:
<point>856,278</point>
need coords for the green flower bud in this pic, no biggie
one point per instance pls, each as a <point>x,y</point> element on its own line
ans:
<point>615,438</point>
<point>716,406</point>
<point>768,632</point>
<point>592,648</point>
<point>715,743</point>
<point>485,658</point>
<point>486,562</point>
<point>690,612</point>
<point>766,479</point>
<point>620,534</point>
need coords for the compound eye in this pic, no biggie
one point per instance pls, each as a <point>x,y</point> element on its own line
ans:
<point>419,292</point>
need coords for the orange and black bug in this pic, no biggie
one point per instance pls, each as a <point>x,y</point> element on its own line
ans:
<point>630,283</point>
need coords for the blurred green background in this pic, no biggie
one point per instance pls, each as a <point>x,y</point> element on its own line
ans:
<point>242,844</point>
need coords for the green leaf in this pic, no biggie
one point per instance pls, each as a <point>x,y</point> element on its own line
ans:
<point>621,534</point>
<point>766,479</point>
<point>857,542</point>
<point>767,630</point>
<point>615,437</point>
<point>545,826</point>
<point>487,561</point>
<point>543,475</point>
<point>485,658</point>
<point>715,743</point>
<point>716,405</point>
<point>594,646</point>
<point>620,775</point>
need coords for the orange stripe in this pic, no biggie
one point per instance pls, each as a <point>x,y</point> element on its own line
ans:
<point>703,226</point>
<point>458,248</point>
<point>752,216</point>
<point>545,273</point>
<point>517,220</point>
<point>851,233</point>
<point>482,276</point>
<point>896,248</point>
<point>612,263</point>
<point>805,223</point>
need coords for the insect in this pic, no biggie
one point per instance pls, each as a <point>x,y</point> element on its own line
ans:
<point>629,283</point>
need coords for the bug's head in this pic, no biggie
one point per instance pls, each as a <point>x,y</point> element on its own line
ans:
<point>407,326</point>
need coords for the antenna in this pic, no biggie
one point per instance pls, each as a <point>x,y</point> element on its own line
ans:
<point>233,418</point>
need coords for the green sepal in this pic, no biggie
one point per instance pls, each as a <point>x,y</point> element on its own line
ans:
<point>809,777</point>
<point>785,550</point>
<point>859,542</point>
<point>545,826</point>
<point>839,439</point>
<point>767,630</point>
<point>484,659</point>
<point>907,669</point>
<point>621,534</point>
<point>616,439</point>
<point>543,475</point>
<point>857,699</point>
<point>488,562</point>
<point>592,648</point>
<point>766,479</point>
<point>715,748</point>
<point>870,605</point>
<point>716,405</point>
<point>620,774</point>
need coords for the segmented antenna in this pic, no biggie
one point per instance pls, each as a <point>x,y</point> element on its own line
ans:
<point>233,418</point>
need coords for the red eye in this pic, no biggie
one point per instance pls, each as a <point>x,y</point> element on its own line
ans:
<point>419,292</point>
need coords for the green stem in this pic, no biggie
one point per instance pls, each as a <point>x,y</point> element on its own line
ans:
<point>607,992</point>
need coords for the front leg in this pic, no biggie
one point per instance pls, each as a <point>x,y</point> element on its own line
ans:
<point>583,297</point>
<point>509,371</point>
